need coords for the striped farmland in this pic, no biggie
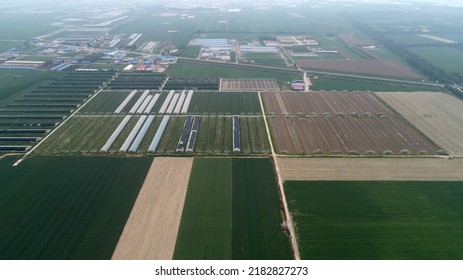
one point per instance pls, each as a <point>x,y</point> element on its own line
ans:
<point>125,102</point>
<point>141,134</point>
<point>157,137</point>
<point>115,134</point>
<point>133,133</point>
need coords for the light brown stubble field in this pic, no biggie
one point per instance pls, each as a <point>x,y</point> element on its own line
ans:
<point>365,169</point>
<point>438,115</point>
<point>151,230</point>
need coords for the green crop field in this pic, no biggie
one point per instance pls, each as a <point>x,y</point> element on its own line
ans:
<point>449,59</point>
<point>86,134</point>
<point>13,81</point>
<point>234,103</point>
<point>6,45</point>
<point>81,134</point>
<point>254,139</point>
<point>67,207</point>
<point>184,69</point>
<point>242,210</point>
<point>23,27</point>
<point>189,51</point>
<point>108,101</point>
<point>267,59</point>
<point>377,220</point>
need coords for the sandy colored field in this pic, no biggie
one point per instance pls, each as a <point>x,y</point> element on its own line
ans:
<point>152,228</point>
<point>364,169</point>
<point>438,115</point>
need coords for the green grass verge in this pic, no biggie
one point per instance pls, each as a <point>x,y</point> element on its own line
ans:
<point>232,212</point>
<point>377,220</point>
<point>67,207</point>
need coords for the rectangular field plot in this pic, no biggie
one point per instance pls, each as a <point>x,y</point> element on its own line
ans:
<point>216,136</point>
<point>226,103</point>
<point>438,115</point>
<point>140,81</point>
<point>151,230</point>
<point>325,136</point>
<point>367,169</point>
<point>125,101</point>
<point>81,134</point>
<point>140,102</point>
<point>67,207</point>
<point>249,85</point>
<point>377,219</point>
<point>325,103</point>
<point>242,210</point>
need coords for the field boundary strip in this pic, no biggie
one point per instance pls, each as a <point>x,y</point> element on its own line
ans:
<point>371,169</point>
<point>288,218</point>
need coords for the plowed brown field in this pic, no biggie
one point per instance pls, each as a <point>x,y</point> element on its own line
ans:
<point>379,67</point>
<point>347,136</point>
<point>324,102</point>
<point>438,115</point>
<point>366,169</point>
<point>340,123</point>
<point>152,228</point>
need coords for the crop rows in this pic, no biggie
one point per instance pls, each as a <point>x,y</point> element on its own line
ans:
<point>49,104</point>
<point>321,136</point>
<point>226,103</point>
<point>140,81</point>
<point>192,84</point>
<point>67,207</point>
<point>243,215</point>
<point>373,220</point>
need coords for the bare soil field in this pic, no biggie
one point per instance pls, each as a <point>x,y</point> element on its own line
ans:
<point>249,85</point>
<point>151,230</point>
<point>295,103</point>
<point>366,169</point>
<point>438,115</point>
<point>331,136</point>
<point>379,67</point>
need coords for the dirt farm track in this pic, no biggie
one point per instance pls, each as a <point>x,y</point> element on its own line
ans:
<point>152,228</point>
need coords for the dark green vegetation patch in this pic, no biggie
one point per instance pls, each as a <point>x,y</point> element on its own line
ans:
<point>232,212</point>
<point>235,103</point>
<point>66,207</point>
<point>377,220</point>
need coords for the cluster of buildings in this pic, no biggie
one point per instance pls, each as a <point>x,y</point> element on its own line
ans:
<point>218,49</point>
